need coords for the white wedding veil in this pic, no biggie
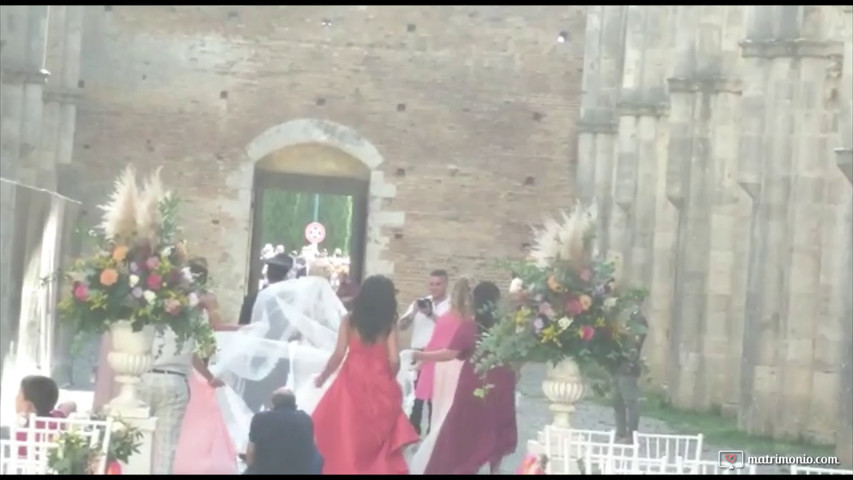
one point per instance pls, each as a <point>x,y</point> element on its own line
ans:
<point>292,334</point>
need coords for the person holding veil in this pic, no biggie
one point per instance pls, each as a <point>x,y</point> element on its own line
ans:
<point>359,423</point>
<point>205,446</point>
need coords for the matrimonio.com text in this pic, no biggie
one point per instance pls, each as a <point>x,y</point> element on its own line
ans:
<point>792,460</point>
<point>733,459</point>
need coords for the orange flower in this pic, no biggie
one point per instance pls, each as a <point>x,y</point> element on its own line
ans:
<point>109,277</point>
<point>585,302</point>
<point>120,253</point>
<point>554,284</point>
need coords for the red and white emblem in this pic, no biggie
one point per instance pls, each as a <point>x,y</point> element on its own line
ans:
<point>315,232</point>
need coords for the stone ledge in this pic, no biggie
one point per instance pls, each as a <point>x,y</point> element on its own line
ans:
<point>65,96</point>
<point>796,48</point>
<point>634,109</point>
<point>597,127</point>
<point>844,160</point>
<point>710,85</point>
<point>11,74</point>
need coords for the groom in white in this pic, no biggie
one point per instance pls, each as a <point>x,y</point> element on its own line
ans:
<point>165,389</point>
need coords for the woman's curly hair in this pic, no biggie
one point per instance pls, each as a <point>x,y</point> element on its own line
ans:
<point>374,309</point>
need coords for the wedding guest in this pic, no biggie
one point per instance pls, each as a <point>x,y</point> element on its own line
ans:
<point>37,396</point>
<point>422,315</point>
<point>359,422</point>
<point>347,289</point>
<point>500,399</point>
<point>165,388</point>
<point>626,391</point>
<point>460,441</point>
<point>281,440</point>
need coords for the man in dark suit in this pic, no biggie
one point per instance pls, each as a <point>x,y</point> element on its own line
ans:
<point>256,393</point>
<point>277,270</point>
<point>281,440</point>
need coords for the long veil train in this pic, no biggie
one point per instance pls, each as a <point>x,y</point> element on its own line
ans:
<point>293,332</point>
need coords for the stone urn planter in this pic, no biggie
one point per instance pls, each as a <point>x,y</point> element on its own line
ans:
<point>129,358</point>
<point>563,386</point>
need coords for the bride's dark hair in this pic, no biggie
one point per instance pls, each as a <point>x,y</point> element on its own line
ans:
<point>374,309</point>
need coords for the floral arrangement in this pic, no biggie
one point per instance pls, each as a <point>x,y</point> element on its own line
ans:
<point>75,455</point>
<point>140,271</point>
<point>568,306</point>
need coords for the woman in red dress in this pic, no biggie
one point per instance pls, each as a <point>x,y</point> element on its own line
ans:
<point>359,424</point>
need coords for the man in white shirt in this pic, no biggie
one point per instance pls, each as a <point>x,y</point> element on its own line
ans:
<point>421,315</point>
<point>166,390</point>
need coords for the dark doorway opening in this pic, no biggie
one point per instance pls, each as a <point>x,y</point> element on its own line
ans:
<point>293,195</point>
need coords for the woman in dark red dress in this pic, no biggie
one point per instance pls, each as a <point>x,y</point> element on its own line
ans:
<point>500,399</point>
<point>359,424</point>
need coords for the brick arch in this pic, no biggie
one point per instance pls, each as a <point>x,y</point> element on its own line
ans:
<point>379,220</point>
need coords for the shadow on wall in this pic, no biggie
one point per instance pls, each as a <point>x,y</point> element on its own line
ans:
<point>35,226</point>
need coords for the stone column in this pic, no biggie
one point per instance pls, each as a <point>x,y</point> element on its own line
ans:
<point>640,155</point>
<point>844,160</point>
<point>690,191</point>
<point>65,29</point>
<point>784,155</point>
<point>22,78</point>
<point>597,128</point>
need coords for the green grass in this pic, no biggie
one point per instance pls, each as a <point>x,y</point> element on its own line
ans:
<point>719,430</point>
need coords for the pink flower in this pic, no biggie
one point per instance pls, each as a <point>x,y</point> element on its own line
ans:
<point>574,307</point>
<point>81,292</point>
<point>546,309</point>
<point>172,306</point>
<point>587,332</point>
<point>585,275</point>
<point>154,281</point>
<point>152,263</point>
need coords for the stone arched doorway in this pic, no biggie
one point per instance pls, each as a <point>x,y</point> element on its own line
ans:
<point>322,156</point>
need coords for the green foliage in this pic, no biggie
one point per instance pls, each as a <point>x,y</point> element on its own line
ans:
<point>286,213</point>
<point>144,283</point>
<point>73,455</point>
<point>565,312</point>
<point>125,440</point>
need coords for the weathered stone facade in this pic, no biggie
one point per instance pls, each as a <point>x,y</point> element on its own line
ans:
<point>462,104</point>
<point>707,138</point>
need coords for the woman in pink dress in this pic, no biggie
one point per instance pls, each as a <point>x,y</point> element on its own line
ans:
<point>445,326</point>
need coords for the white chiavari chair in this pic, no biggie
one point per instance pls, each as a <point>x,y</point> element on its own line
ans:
<point>657,445</point>
<point>565,446</point>
<point>620,463</point>
<point>27,450</point>
<point>602,457</point>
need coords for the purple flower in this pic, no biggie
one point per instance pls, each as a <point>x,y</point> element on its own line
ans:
<point>134,267</point>
<point>136,292</point>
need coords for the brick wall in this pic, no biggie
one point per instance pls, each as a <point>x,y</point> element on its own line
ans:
<point>473,109</point>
